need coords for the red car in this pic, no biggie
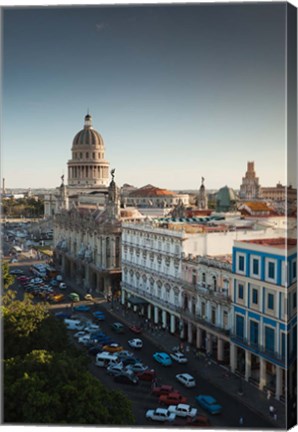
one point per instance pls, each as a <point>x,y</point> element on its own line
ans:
<point>147,375</point>
<point>135,329</point>
<point>163,390</point>
<point>172,399</point>
<point>199,420</point>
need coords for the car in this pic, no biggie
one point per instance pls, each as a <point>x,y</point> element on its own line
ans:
<point>36,281</point>
<point>114,347</point>
<point>115,369</point>
<point>130,361</point>
<point>54,283</point>
<point>186,379</point>
<point>74,297</point>
<point>79,334</point>
<point>62,285</point>
<point>126,378</point>
<point>92,328</point>
<point>62,315</point>
<point>162,358</point>
<point>172,399</point>
<point>137,367</point>
<point>179,357</point>
<point>100,316</point>
<point>16,272</point>
<point>199,420</point>
<point>209,404</point>
<point>84,340</point>
<point>88,297</point>
<point>22,278</point>
<point>59,278</point>
<point>13,260</point>
<point>103,340</point>
<point>94,350</point>
<point>82,308</point>
<point>135,343</point>
<point>147,375</point>
<point>122,355</point>
<point>118,327</point>
<point>160,414</point>
<point>163,389</point>
<point>135,329</point>
<point>57,298</point>
<point>183,410</point>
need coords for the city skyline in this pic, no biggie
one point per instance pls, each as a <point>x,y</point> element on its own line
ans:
<point>174,91</point>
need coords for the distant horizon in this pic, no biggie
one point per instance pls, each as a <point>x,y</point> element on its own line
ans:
<point>178,92</point>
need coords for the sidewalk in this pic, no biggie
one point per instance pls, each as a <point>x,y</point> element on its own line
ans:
<point>216,374</point>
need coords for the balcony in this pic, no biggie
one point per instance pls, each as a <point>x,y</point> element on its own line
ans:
<point>207,292</point>
<point>258,349</point>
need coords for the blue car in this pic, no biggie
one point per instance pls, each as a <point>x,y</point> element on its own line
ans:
<point>209,404</point>
<point>62,315</point>
<point>82,308</point>
<point>98,335</point>
<point>163,358</point>
<point>99,315</point>
<point>54,282</point>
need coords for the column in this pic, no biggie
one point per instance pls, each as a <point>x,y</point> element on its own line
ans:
<point>181,329</point>
<point>220,350</point>
<point>262,381</point>
<point>172,327</point>
<point>149,311</point>
<point>155,315</point>
<point>122,296</point>
<point>164,319</point>
<point>199,337</point>
<point>233,351</point>
<point>278,385</point>
<point>209,343</point>
<point>189,332</point>
<point>247,365</point>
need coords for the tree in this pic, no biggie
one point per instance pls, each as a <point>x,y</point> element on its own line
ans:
<point>7,278</point>
<point>54,388</point>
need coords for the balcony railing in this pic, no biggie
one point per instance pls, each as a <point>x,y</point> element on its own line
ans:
<point>258,349</point>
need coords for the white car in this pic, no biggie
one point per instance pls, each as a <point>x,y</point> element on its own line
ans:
<point>186,379</point>
<point>79,334</point>
<point>137,367</point>
<point>115,369</point>
<point>135,343</point>
<point>62,286</point>
<point>91,328</point>
<point>179,357</point>
<point>160,414</point>
<point>84,339</point>
<point>183,410</point>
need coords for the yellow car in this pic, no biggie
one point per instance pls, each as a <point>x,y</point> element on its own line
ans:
<point>112,348</point>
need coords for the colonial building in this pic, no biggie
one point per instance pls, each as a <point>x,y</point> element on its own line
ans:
<point>279,193</point>
<point>151,196</point>
<point>264,331</point>
<point>250,188</point>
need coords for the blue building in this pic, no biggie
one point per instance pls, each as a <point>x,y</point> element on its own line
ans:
<point>264,312</point>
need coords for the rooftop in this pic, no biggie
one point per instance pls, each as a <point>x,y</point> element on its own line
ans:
<point>280,242</point>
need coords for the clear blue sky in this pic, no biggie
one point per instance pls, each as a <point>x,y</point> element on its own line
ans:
<point>177,92</point>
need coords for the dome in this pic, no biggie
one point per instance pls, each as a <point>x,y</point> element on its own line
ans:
<point>88,135</point>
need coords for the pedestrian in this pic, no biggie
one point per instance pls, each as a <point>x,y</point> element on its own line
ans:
<point>241,421</point>
<point>268,394</point>
<point>271,410</point>
<point>275,415</point>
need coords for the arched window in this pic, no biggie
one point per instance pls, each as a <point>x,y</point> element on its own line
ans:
<point>214,283</point>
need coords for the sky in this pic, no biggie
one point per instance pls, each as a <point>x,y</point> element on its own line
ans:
<point>177,92</point>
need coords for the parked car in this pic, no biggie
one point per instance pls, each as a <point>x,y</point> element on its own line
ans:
<point>79,334</point>
<point>100,316</point>
<point>135,343</point>
<point>62,315</point>
<point>135,329</point>
<point>118,327</point>
<point>137,367</point>
<point>84,340</point>
<point>62,285</point>
<point>126,378</point>
<point>160,414</point>
<point>74,297</point>
<point>82,308</point>
<point>16,272</point>
<point>112,348</point>
<point>115,369</point>
<point>125,354</point>
<point>163,389</point>
<point>130,361</point>
<point>172,399</point>
<point>92,328</point>
<point>57,298</point>
<point>198,421</point>
<point>186,379</point>
<point>88,297</point>
<point>54,283</point>
<point>162,358</point>
<point>183,410</point>
<point>179,357</point>
<point>147,375</point>
<point>209,404</point>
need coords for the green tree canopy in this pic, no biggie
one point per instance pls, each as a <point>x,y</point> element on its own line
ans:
<point>7,278</point>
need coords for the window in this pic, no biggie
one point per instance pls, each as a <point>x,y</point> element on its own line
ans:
<point>271,270</point>
<point>294,300</point>
<point>214,283</point>
<point>239,326</point>
<point>254,333</point>
<point>204,278</point>
<point>93,155</point>
<point>269,339</point>
<point>241,263</point>
<point>194,277</point>
<point>294,269</point>
<point>255,296</point>
<point>240,291</point>
<point>283,345</point>
<point>87,155</point>
<point>255,267</point>
<point>270,301</point>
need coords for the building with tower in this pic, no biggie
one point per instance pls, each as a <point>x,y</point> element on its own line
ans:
<point>250,188</point>
<point>202,200</point>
